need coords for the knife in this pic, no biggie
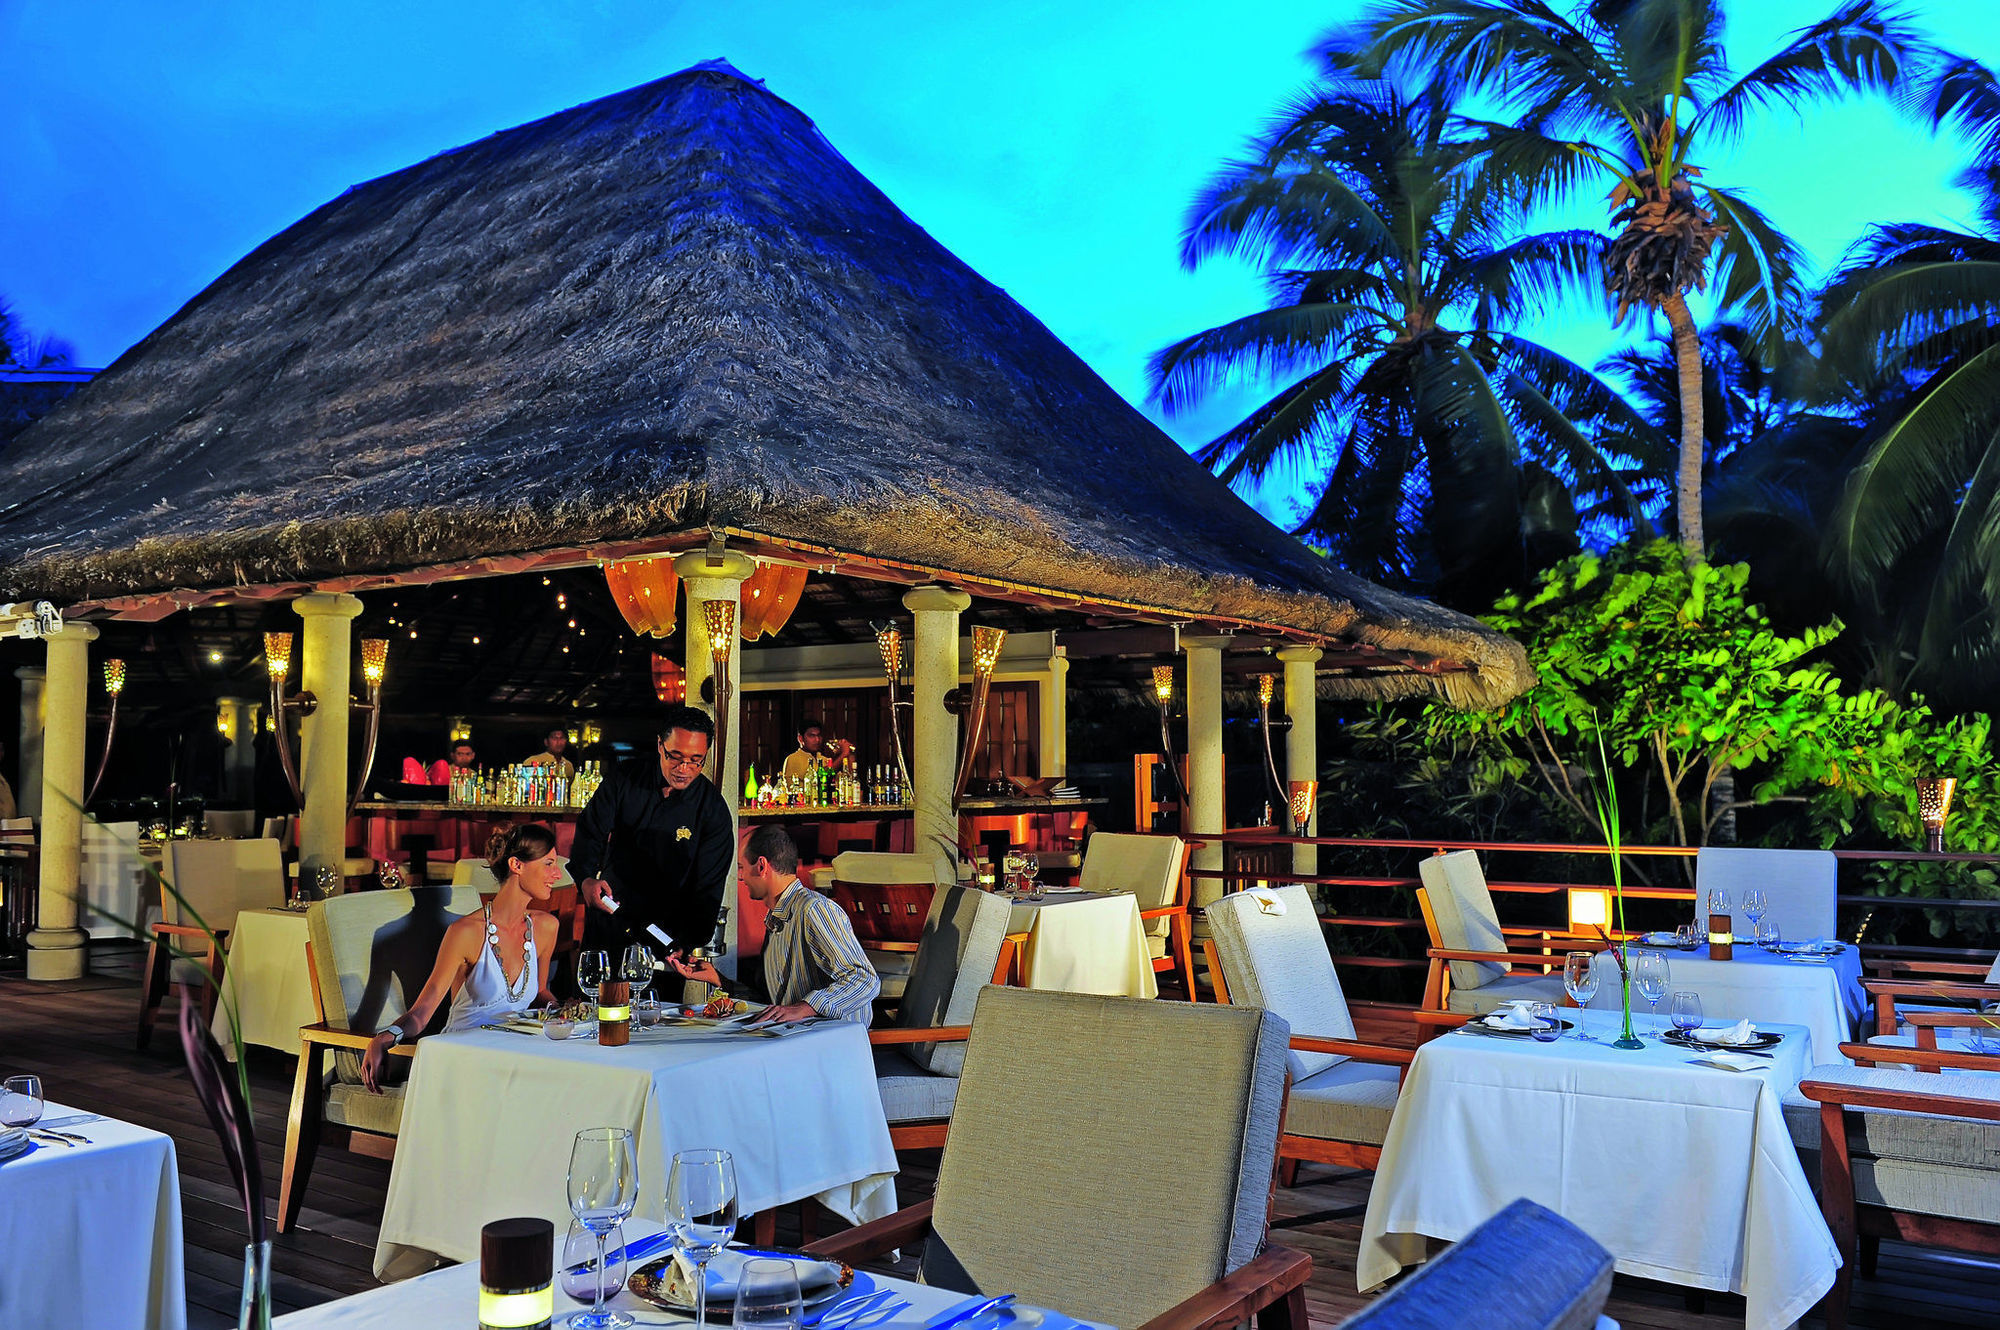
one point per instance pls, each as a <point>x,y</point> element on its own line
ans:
<point>966,1310</point>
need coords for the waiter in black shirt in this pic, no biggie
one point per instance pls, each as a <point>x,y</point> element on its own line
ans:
<point>658,837</point>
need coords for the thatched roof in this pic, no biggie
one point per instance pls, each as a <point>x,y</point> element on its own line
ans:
<point>670,309</point>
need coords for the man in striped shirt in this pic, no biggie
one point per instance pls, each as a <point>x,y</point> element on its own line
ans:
<point>813,966</point>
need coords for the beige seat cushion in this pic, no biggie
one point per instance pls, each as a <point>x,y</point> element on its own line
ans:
<point>956,958</point>
<point>1923,1163</point>
<point>353,1106</point>
<point>1466,920</point>
<point>213,879</point>
<point>909,1093</point>
<point>1513,988</point>
<point>1349,1102</point>
<point>1146,867</point>
<point>1118,1241</point>
<point>892,968</point>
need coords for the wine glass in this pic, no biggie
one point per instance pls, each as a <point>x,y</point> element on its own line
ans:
<point>767,1296</point>
<point>1031,875</point>
<point>1686,1011</point>
<point>1014,872</point>
<point>1548,1026</point>
<point>1580,982</point>
<point>591,969</point>
<point>603,1189</point>
<point>701,1212</point>
<point>1718,900</point>
<point>21,1101</point>
<point>1650,974</point>
<point>583,1275</point>
<point>636,966</point>
<point>1755,905</point>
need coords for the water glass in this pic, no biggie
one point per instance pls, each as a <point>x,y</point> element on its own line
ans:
<point>603,1189</point>
<point>1548,1026</point>
<point>767,1296</point>
<point>1650,975</point>
<point>701,1212</point>
<point>583,1276</point>
<point>21,1101</point>
<point>1580,982</point>
<point>1686,1010</point>
<point>1689,936</point>
<point>645,1012</point>
<point>1768,936</point>
<point>591,969</point>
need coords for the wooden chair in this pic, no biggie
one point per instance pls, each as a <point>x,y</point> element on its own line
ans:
<point>230,823</point>
<point>20,881</point>
<point>1266,949</point>
<point>212,880</point>
<point>1479,1280</point>
<point>1901,987</point>
<point>1475,964</point>
<point>1153,869</point>
<point>887,898</point>
<point>1798,884</point>
<point>1072,1219</point>
<point>369,954</point>
<point>1903,1154</point>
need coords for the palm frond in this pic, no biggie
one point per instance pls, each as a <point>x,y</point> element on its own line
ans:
<point>1286,424</point>
<point>1968,572</point>
<point>1272,343</point>
<point>1757,267</point>
<point>1862,46</point>
<point>1530,274</point>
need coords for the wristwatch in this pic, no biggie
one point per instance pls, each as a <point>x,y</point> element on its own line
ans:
<point>396,1028</point>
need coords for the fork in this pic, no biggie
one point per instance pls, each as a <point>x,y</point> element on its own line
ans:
<point>876,1315</point>
<point>844,1313</point>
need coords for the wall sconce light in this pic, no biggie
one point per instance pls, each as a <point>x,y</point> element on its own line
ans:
<point>647,593</point>
<point>114,684</point>
<point>590,735</point>
<point>889,641</point>
<point>1934,806</point>
<point>986,644</point>
<point>1589,910</point>
<point>719,616</point>
<point>1163,694</point>
<point>278,662</point>
<point>1304,792</point>
<point>374,668</point>
<point>225,724</point>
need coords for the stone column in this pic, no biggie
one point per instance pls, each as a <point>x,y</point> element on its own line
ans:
<point>56,946</point>
<point>1302,744</point>
<point>239,762</point>
<point>326,671</point>
<point>28,757</point>
<point>705,581</point>
<point>934,731</point>
<point>1204,751</point>
<point>1055,717</point>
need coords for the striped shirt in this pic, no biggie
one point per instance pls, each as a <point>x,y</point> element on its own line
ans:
<point>810,955</point>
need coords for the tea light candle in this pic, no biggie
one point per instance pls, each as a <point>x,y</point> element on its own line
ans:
<point>1721,944</point>
<point>614,1013</point>
<point>517,1262</point>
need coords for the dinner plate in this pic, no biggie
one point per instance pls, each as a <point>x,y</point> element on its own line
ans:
<point>14,1141</point>
<point>1760,1039</point>
<point>650,1283</point>
<point>1504,1033</point>
<point>1809,949</point>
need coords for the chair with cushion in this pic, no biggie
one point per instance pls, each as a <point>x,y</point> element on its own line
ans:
<point>1901,1152</point>
<point>918,1056</point>
<point>1071,1219</point>
<point>212,880</point>
<point>1902,987</point>
<point>1479,1280</point>
<point>887,898</point>
<point>1152,869</point>
<point>1267,950</point>
<point>1799,884</point>
<point>1472,971</point>
<point>369,954</point>
<point>230,823</point>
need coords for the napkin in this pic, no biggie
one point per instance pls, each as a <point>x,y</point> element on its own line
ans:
<point>1733,1061</point>
<point>816,1278</point>
<point>1511,1018</point>
<point>1739,1033</point>
<point>1267,900</point>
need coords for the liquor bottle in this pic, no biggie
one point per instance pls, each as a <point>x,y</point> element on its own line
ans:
<point>750,785</point>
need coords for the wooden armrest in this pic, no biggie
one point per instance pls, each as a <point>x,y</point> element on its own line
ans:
<point>1924,1059</point>
<point>1444,1020</point>
<point>858,1244</point>
<point>1901,1101</point>
<point>890,946</point>
<point>1885,968</point>
<point>942,1034</point>
<point>1354,1048</point>
<point>354,1039</point>
<point>1163,912</point>
<point>1956,1019</point>
<point>190,930</point>
<point>1238,1297</point>
<point>1508,958</point>
<point>1918,988</point>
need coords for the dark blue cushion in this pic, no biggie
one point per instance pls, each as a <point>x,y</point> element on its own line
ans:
<point>1526,1268</point>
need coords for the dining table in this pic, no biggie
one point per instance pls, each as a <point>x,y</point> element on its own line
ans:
<point>266,982</point>
<point>489,1116</point>
<point>1684,1172</point>
<point>1084,942</point>
<point>92,1230</point>
<point>1824,994</point>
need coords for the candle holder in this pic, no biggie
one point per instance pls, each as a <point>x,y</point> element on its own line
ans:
<point>114,684</point>
<point>374,669</point>
<point>1267,688</point>
<point>1303,793</point>
<point>719,617</point>
<point>986,644</point>
<point>889,641</point>
<point>1163,695</point>
<point>1934,807</point>
<point>278,663</point>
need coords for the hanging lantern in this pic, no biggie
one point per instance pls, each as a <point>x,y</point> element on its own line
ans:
<point>646,592</point>
<point>770,595</point>
<point>669,681</point>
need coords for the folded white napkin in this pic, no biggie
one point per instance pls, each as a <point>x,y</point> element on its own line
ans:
<point>1267,900</point>
<point>1739,1033</point>
<point>1511,1018</point>
<point>1734,1061</point>
<point>726,1271</point>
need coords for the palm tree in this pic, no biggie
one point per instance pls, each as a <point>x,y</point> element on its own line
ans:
<point>1638,92</point>
<point>20,347</point>
<point>1445,452</point>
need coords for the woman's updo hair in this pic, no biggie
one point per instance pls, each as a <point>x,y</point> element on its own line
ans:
<point>527,842</point>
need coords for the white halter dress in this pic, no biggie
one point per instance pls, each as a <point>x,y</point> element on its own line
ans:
<point>486,996</point>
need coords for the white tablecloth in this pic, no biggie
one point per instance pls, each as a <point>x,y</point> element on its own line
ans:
<point>92,1233</point>
<point>1826,999</point>
<point>1684,1173</point>
<point>1085,942</point>
<point>267,980</point>
<point>489,1118</point>
<point>450,1298</point>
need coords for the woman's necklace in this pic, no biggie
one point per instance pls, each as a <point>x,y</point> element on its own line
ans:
<point>516,988</point>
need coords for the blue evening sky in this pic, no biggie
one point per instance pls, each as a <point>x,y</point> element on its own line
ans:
<point>1052,146</point>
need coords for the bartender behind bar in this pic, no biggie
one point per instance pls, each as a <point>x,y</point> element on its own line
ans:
<point>658,838</point>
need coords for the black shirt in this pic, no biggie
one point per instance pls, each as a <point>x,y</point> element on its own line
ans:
<point>667,857</point>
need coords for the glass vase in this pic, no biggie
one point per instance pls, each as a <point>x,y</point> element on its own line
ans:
<point>256,1309</point>
<point>1627,1039</point>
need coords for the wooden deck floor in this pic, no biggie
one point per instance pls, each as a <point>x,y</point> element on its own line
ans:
<point>79,1038</point>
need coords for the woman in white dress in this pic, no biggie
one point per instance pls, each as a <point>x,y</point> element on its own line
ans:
<point>493,963</point>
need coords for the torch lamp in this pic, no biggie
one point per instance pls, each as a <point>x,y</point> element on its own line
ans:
<point>889,641</point>
<point>719,617</point>
<point>114,684</point>
<point>374,668</point>
<point>1304,792</point>
<point>986,643</point>
<point>1267,688</point>
<point>278,663</point>
<point>1163,694</point>
<point>1934,806</point>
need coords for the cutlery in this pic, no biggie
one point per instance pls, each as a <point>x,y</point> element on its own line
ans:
<point>844,1311</point>
<point>52,1138</point>
<point>965,1311</point>
<point>511,1029</point>
<point>636,1250</point>
<point>876,1315</point>
<point>66,1135</point>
